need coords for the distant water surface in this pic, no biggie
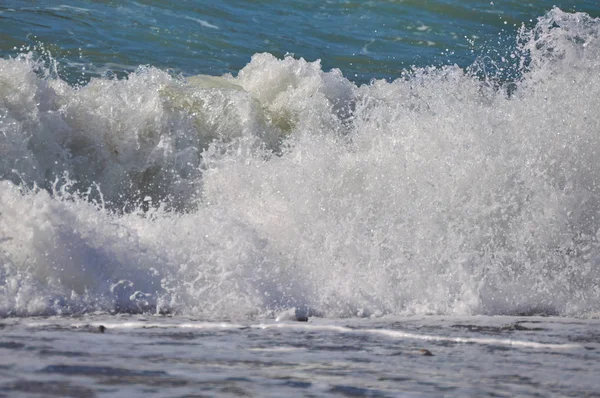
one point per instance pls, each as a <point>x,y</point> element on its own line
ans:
<point>365,39</point>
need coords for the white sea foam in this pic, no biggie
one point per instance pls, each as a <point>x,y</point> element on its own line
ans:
<point>290,187</point>
<point>203,23</point>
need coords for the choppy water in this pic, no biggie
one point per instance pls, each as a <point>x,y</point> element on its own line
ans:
<point>365,39</point>
<point>136,178</point>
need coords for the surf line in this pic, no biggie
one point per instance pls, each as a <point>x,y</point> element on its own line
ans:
<point>396,334</point>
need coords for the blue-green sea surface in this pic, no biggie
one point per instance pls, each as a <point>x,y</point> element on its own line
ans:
<point>365,39</point>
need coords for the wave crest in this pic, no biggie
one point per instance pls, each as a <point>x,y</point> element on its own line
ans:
<point>290,187</point>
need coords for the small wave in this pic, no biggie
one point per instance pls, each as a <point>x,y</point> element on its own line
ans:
<point>203,23</point>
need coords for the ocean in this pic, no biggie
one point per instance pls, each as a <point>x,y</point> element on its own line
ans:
<point>377,198</point>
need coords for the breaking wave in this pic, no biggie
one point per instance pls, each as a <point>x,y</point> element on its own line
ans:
<point>288,187</point>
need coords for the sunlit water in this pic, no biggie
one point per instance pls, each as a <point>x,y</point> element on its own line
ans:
<point>365,39</point>
<point>196,217</point>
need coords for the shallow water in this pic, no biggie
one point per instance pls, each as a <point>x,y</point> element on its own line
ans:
<point>415,356</point>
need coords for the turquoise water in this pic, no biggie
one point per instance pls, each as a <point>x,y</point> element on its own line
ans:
<point>365,39</point>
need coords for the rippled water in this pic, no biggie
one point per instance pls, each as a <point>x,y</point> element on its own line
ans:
<point>177,357</point>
